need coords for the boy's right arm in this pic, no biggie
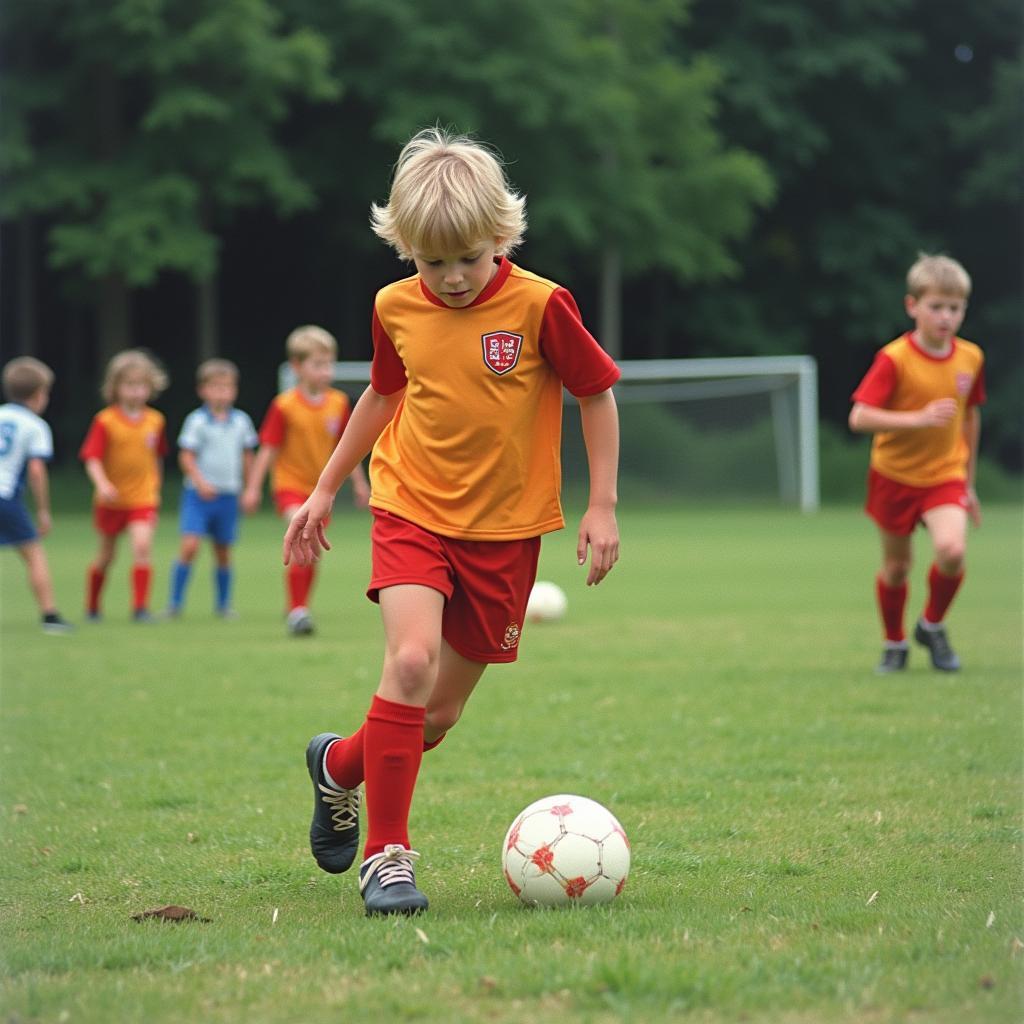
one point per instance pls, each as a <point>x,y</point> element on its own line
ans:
<point>39,485</point>
<point>304,537</point>
<point>253,493</point>
<point>190,468</point>
<point>105,490</point>
<point>870,419</point>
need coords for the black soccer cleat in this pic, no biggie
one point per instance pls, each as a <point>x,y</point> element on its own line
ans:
<point>894,659</point>
<point>388,883</point>
<point>944,658</point>
<point>55,624</point>
<point>334,831</point>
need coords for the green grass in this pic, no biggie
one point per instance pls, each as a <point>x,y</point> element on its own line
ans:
<point>810,843</point>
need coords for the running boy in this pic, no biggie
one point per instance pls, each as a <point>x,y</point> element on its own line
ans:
<point>215,449</point>
<point>26,445</point>
<point>297,436</point>
<point>122,454</point>
<point>464,415</point>
<point>921,399</point>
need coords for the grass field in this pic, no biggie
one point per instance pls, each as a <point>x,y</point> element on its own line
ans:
<point>810,843</point>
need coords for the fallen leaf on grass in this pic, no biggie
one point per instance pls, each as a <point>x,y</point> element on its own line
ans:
<point>422,936</point>
<point>991,919</point>
<point>987,981</point>
<point>171,913</point>
<point>872,898</point>
<point>1016,946</point>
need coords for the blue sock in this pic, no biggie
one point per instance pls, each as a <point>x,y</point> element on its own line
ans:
<point>223,581</point>
<point>180,573</point>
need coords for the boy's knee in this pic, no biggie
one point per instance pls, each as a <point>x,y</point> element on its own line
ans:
<point>440,719</point>
<point>895,571</point>
<point>949,556</point>
<point>412,667</point>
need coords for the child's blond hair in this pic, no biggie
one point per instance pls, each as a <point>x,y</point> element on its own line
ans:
<point>305,341</point>
<point>938,273</point>
<point>210,368</point>
<point>24,376</point>
<point>130,361</point>
<point>448,195</point>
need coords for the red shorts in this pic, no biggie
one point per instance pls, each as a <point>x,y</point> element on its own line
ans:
<point>288,501</point>
<point>112,521</point>
<point>898,508</point>
<point>486,583</point>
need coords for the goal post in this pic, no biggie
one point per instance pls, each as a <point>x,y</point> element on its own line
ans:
<point>754,419</point>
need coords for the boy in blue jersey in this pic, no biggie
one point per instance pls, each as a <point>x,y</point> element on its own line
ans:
<point>215,446</point>
<point>26,445</point>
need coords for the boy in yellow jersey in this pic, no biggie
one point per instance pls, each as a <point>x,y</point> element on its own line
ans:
<point>297,436</point>
<point>123,455</point>
<point>921,400</point>
<point>463,414</point>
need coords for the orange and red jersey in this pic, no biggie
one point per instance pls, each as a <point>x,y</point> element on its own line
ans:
<point>130,450</point>
<point>304,432</point>
<point>474,448</point>
<point>905,376</point>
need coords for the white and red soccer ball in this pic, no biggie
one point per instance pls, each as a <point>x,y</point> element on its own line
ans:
<point>547,602</point>
<point>565,850</point>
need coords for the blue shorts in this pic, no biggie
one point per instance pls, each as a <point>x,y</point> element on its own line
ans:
<point>15,525</point>
<point>216,518</point>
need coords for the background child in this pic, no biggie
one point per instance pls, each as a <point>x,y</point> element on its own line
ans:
<point>920,399</point>
<point>464,415</point>
<point>26,445</point>
<point>215,454</point>
<point>122,454</point>
<point>297,436</point>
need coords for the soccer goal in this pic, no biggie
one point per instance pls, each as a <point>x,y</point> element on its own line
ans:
<point>734,429</point>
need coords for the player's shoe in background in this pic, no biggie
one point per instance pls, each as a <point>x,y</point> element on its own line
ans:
<point>334,832</point>
<point>226,613</point>
<point>300,622</point>
<point>894,659</point>
<point>143,615</point>
<point>54,624</point>
<point>388,883</point>
<point>933,636</point>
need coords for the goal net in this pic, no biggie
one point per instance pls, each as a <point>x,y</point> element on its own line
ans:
<point>736,429</point>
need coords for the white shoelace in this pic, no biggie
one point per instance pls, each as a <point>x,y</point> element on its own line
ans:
<point>344,805</point>
<point>392,866</point>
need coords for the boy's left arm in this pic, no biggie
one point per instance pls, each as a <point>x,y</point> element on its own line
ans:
<point>39,485</point>
<point>972,432</point>
<point>599,531</point>
<point>360,487</point>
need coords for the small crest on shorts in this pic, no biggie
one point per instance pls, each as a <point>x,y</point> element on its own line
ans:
<point>501,351</point>
<point>963,383</point>
<point>511,641</point>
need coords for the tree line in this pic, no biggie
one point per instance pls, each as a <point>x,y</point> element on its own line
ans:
<point>709,177</point>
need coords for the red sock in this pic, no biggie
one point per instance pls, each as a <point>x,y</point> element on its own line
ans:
<point>393,749</point>
<point>891,603</point>
<point>300,583</point>
<point>141,577</point>
<point>94,586</point>
<point>941,591</point>
<point>344,759</point>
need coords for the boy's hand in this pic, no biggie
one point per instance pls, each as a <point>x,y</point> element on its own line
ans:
<point>599,532</point>
<point>938,413</point>
<point>250,501</point>
<point>205,489</point>
<point>305,538</point>
<point>106,492</point>
<point>973,506</point>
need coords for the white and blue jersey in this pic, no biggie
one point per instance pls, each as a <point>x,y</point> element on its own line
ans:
<point>23,436</point>
<point>218,446</point>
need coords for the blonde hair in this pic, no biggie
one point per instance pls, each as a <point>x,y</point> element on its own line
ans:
<point>24,376</point>
<point>449,194</point>
<point>937,273</point>
<point>211,368</point>
<point>133,360</point>
<point>306,340</point>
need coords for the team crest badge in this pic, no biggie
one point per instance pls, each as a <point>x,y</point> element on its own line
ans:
<point>501,351</point>
<point>511,641</point>
<point>963,383</point>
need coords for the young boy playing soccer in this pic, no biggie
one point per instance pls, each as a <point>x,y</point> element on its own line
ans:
<point>215,452</point>
<point>464,416</point>
<point>297,436</point>
<point>26,445</point>
<point>122,454</point>
<point>921,399</point>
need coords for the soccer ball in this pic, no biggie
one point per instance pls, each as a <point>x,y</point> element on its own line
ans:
<point>547,602</point>
<point>565,850</point>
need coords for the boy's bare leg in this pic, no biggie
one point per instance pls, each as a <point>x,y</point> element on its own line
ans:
<point>947,526</point>
<point>38,575</point>
<point>140,536</point>
<point>456,679</point>
<point>891,596</point>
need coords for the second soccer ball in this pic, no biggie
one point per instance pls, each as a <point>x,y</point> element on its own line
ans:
<point>547,602</point>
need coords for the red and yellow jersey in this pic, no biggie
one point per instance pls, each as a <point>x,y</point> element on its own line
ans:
<point>130,450</point>
<point>474,448</point>
<point>905,376</point>
<point>304,432</point>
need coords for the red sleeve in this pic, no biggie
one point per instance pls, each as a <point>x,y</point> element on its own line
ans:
<point>273,426</point>
<point>163,449</point>
<point>977,395</point>
<point>387,372</point>
<point>95,444</point>
<point>346,415</point>
<point>573,352</point>
<point>878,384</point>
